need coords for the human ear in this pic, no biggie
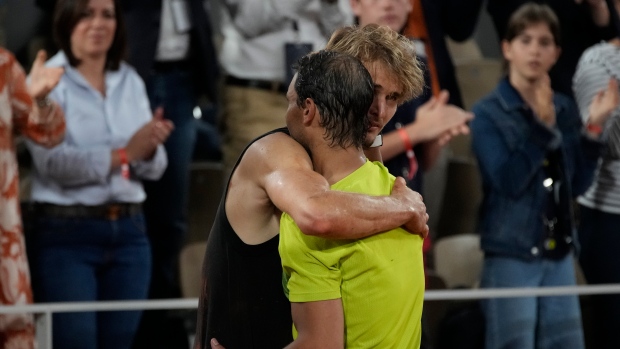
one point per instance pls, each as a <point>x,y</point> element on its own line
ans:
<point>506,50</point>
<point>309,111</point>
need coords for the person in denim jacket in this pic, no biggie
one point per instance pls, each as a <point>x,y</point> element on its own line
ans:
<point>534,156</point>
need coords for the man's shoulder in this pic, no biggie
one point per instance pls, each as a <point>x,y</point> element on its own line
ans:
<point>274,147</point>
<point>266,155</point>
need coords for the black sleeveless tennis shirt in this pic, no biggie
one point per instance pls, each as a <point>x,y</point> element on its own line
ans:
<point>245,305</point>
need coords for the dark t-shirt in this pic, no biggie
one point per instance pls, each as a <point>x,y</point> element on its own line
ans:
<point>244,303</point>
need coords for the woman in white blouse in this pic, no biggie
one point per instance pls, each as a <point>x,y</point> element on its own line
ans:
<point>89,241</point>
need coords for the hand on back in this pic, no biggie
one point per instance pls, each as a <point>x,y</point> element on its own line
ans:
<point>418,224</point>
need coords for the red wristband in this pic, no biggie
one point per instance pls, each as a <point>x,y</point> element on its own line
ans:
<point>413,162</point>
<point>596,129</point>
<point>122,154</point>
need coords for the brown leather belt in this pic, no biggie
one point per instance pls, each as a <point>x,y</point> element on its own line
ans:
<point>109,211</point>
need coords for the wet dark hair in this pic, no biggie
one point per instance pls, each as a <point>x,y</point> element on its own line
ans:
<point>342,90</point>
<point>68,13</point>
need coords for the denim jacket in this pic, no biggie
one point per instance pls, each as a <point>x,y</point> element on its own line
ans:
<point>511,146</point>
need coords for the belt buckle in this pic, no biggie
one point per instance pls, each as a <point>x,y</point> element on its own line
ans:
<point>113,212</point>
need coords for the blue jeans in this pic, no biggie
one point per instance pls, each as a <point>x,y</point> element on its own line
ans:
<point>530,322</point>
<point>599,235</point>
<point>89,260</point>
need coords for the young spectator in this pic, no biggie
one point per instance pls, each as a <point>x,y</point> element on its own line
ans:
<point>584,23</point>
<point>597,73</point>
<point>534,157</point>
<point>89,240</point>
<point>24,110</point>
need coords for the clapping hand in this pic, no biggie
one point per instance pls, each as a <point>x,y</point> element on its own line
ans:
<point>604,103</point>
<point>42,79</point>
<point>544,108</point>
<point>215,344</point>
<point>144,142</point>
<point>438,120</point>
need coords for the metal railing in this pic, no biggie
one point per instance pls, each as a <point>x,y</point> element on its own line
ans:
<point>44,322</point>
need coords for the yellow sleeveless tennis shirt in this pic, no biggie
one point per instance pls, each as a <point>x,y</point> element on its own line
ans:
<point>379,278</point>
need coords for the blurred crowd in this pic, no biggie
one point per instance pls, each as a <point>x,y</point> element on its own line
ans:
<point>134,91</point>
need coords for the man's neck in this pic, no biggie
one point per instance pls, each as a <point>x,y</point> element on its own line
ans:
<point>336,163</point>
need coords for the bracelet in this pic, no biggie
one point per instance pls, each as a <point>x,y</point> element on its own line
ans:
<point>122,154</point>
<point>404,136</point>
<point>413,162</point>
<point>596,129</point>
<point>377,142</point>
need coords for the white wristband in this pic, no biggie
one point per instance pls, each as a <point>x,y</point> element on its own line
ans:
<point>377,142</point>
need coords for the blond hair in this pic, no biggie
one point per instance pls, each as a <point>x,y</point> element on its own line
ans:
<point>373,43</point>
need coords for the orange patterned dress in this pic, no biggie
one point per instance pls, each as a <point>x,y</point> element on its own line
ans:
<point>18,115</point>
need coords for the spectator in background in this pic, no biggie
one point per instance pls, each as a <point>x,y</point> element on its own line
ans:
<point>598,71</point>
<point>534,158</point>
<point>426,123</point>
<point>170,45</point>
<point>260,41</point>
<point>24,110</point>
<point>584,23</point>
<point>430,22</point>
<point>88,241</point>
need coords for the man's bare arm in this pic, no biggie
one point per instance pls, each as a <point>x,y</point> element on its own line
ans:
<point>295,188</point>
<point>319,324</point>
